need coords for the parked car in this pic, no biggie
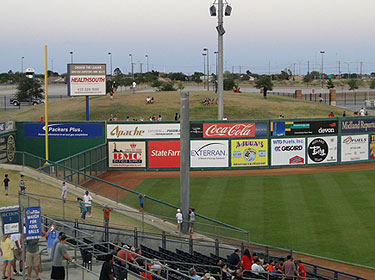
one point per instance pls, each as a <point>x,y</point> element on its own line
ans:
<point>27,101</point>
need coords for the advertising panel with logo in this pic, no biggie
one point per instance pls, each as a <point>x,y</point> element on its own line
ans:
<point>33,224</point>
<point>143,131</point>
<point>164,154</point>
<point>10,219</point>
<point>234,130</point>
<point>372,146</point>
<point>291,128</point>
<point>360,125</point>
<point>322,150</point>
<point>196,130</point>
<point>7,149</point>
<point>354,147</point>
<point>289,151</point>
<point>249,152</point>
<point>76,130</point>
<point>205,153</point>
<point>86,79</point>
<point>127,154</point>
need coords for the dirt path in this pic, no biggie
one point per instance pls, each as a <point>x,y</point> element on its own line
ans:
<point>131,179</point>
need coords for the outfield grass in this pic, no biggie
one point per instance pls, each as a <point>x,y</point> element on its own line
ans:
<point>242,106</point>
<point>328,214</point>
<point>53,208</point>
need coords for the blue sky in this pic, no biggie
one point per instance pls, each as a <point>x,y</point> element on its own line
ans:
<point>260,33</point>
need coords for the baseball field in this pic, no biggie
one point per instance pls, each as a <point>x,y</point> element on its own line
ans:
<point>325,214</point>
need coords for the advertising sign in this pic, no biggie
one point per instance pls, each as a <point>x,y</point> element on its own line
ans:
<point>7,149</point>
<point>86,79</point>
<point>290,128</point>
<point>127,154</point>
<point>360,125</point>
<point>32,223</point>
<point>10,218</point>
<point>71,130</point>
<point>144,131</point>
<point>289,151</point>
<point>234,130</point>
<point>205,153</point>
<point>164,154</point>
<point>249,152</point>
<point>372,146</point>
<point>7,126</point>
<point>354,147</point>
<point>196,130</point>
<point>322,150</point>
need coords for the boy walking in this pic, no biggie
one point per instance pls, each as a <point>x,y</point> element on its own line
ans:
<point>22,184</point>
<point>64,192</point>
<point>6,183</point>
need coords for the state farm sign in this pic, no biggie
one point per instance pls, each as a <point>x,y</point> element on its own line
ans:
<point>227,130</point>
<point>164,154</point>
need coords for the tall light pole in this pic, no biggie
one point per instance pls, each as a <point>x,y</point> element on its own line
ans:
<point>22,58</point>
<point>110,62</point>
<point>71,57</point>
<point>216,53</point>
<point>208,68</point>
<point>321,71</point>
<point>204,70</point>
<point>131,65</point>
<point>221,31</point>
<point>348,69</point>
<point>147,62</point>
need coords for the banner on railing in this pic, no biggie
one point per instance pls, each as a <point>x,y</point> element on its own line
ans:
<point>354,147</point>
<point>249,152</point>
<point>293,128</point>
<point>210,154</point>
<point>127,154</point>
<point>80,130</point>
<point>143,131</point>
<point>289,151</point>
<point>10,218</point>
<point>164,154</point>
<point>322,150</point>
<point>33,222</point>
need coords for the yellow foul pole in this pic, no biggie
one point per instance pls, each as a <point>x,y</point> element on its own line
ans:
<point>46,99</point>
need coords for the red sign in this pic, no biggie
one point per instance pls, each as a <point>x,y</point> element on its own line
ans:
<point>296,160</point>
<point>164,154</point>
<point>227,130</point>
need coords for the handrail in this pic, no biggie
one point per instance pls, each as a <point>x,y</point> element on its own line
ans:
<point>66,225</point>
<point>334,271</point>
<point>80,153</point>
<point>284,276</point>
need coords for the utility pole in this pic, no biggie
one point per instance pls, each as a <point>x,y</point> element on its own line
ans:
<point>321,71</point>
<point>131,65</point>
<point>308,67</point>
<point>140,65</point>
<point>361,69</point>
<point>148,63</point>
<point>208,68</point>
<point>204,70</point>
<point>339,69</point>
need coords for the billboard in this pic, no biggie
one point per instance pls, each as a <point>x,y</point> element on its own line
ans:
<point>214,153</point>
<point>10,219</point>
<point>144,131</point>
<point>354,147</point>
<point>372,146</point>
<point>358,125</point>
<point>234,130</point>
<point>294,128</point>
<point>164,154</point>
<point>249,152</point>
<point>289,151</point>
<point>33,222</point>
<point>322,149</point>
<point>7,149</point>
<point>126,154</point>
<point>7,126</point>
<point>70,130</point>
<point>86,79</point>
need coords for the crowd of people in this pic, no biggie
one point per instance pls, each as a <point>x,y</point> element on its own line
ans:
<point>152,118</point>
<point>210,101</point>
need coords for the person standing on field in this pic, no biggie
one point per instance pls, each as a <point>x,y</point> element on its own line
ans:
<point>6,183</point>
<point>64,192</point>
<point>191,220</point>
<point>87,199</point>
<point>58,270</point>
<point>106,211</point>
<point>140,198</point>
<point>179,220</point>
<point>22,184</point>
<point>83,209</point>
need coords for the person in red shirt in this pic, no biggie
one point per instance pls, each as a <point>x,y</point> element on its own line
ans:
<point>331,115</point>
<point>146,275</point>
<point>301,270</point>
<point>246,260</point>
<point>106,212</point>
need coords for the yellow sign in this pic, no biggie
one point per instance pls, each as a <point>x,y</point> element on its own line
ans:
<point>249,152</point>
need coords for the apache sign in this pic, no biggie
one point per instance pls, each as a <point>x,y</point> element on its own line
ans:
<point>86,79</point>
<point>143,131</point>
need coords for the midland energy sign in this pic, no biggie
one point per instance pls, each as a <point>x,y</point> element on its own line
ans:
<point>86,79</point>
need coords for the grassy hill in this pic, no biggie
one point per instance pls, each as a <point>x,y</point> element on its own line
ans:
<point>241,106</point>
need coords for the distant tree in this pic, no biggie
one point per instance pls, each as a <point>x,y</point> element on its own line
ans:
<point>180,86</point>
<point>196,77</point>
<point>179,76</point>
<point>156,84</point>
<point>353,84</point>
<point>315,75</point>
<point>117,72</point>
<point>265,83</point>
<point>28,88</point>
<point>308,78</point>
<point>330,84</point>
<point>229,84</point>
<point>283,75</point>
<point>167,86</point>
<point>372,84</point>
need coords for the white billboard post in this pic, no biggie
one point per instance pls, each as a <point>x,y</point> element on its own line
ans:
<point>86,80</point>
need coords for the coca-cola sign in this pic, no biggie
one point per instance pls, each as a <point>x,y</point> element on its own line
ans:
<point>228,130</point>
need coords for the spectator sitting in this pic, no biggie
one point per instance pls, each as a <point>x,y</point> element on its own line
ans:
<point>238,90</point>
<point>238,275</point>
<point>152,101</point>
<point>156,267</point>
<point>331,115</point>
<point>271,266</point>
<point>148,100</point>
<point>115,118</point>
<point>193,273</point>
<point>141,119</point>
<point>246,260</point>
<point>145,274</point>
<point>160,118</point>
<point>234,258</point>
<point>110,118</point>
<point>150,119</point>
<point>127,119</point>
<point>257,267</point>
<point>234,89</point>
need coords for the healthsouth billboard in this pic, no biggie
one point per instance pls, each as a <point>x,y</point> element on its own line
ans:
<point>249,152</point>
<point>354,147</point>
<point>127,154</point>
<point>86,79</point>
<point>70,130</point>
<point>228,130</point>
<point>289,151</point>
<point>322,150</point>
<point>164,154</point>
<point>298,128</point>
<point>143,131</point>
<point>360,125</point>
<point>211,154</point>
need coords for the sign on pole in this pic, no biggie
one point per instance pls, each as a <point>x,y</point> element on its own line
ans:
<point>86,79</point>
<point>33,222</point>
<point>10,218</point>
